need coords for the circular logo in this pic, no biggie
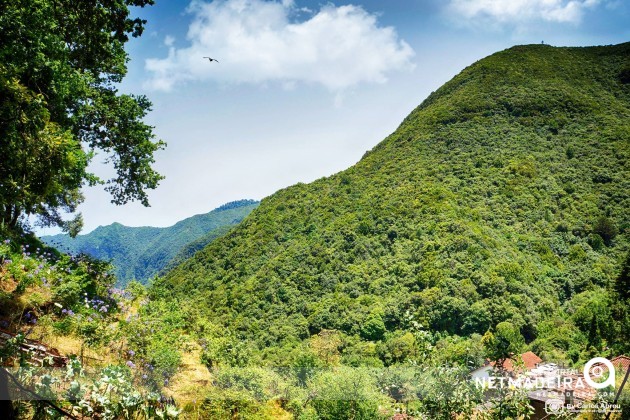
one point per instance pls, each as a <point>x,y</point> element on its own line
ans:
<point>598,372</point>
<point>554,406</point>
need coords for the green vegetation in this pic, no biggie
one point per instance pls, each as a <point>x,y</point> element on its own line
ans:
<point>69,301</point>
<point>503,343</point>
<point>60,63</point>
<point>498,207</point>
<point>494,220</point>
<point>140,253</point>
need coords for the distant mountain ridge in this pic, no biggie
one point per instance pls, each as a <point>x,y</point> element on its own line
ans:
<point>142,252</point>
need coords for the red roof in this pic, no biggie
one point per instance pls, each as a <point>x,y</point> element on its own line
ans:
<point>621,362</point>
<point>530,360</point>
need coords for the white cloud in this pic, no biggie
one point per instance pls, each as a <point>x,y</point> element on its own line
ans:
<point>169,41</point>
<point>257,41</point>
<point>520,11</point>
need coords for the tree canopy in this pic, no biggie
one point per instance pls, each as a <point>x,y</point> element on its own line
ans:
<point>504,343</point>
<point>60,63</point>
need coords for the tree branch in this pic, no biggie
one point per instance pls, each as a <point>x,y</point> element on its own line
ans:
<point>38,397</point>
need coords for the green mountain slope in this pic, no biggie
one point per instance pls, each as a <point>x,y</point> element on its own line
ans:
<point>142,252</point>
<point>503,197</point>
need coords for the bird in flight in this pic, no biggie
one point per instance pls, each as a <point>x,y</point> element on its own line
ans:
<point>211,59</point>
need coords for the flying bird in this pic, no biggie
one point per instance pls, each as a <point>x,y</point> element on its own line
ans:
<point>211,59</point>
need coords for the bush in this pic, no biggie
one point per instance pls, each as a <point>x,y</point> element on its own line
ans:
<point>373,328</point>
<point>602,178</point>
<point>227,351</point>
<point>250,380</point>
<point>63,326</point>
<point>67,294</point>
<point>398,347</point>
<point>136,289</point>
<point>606,229</point>
<point>165,360</point>
<point>595,241</point>
<point>346,394</point>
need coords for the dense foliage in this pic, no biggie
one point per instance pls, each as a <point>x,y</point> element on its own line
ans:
<point>60,61</point>
<point>139,253</point>
<point>498,207</point>
<point>52,297</point>
<point>494,220</point>
<point>503,197</point>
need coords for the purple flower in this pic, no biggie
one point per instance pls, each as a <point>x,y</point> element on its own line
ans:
<point>144,376</point>
<point>70,313</point>
<point>103,309</point>
<point>131,353</point>
<point>130,364</point>
<point>7,241</point>
<point>64,311</point>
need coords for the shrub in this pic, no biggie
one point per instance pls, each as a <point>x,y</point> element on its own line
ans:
<point>67,294</point>
<point>562,228</point>
<point>398,347</point>
<point>164,359</point>
<point>63,326</point>
<point>373,328</point>
<point>346,394</point>
<point>225,350</point>
<point>602,178</point>
<point>595,241</point>
<point>605,228</point>
<point>136,289</point>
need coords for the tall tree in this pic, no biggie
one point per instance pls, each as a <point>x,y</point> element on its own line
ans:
<point>60,62</point>
<point>622,283</point>
<point>504,343</point>
<point>594,337</point>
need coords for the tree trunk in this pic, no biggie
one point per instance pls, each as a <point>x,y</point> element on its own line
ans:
<point>10,216</point>
<point>14,219</point>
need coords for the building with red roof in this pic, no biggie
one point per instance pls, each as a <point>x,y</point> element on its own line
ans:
<point>621,362</point>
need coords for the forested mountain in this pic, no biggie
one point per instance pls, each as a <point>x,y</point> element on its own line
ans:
<point>142,252</point>
<point>504,196</point>
<point>493,221</point>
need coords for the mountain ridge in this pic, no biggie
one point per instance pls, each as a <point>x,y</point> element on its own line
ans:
<point>142,252</point>
<point>491,202</point>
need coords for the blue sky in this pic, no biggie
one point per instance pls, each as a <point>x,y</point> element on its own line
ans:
<point>303,88</point>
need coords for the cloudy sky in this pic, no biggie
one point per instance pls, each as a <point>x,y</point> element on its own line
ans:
<point>303,88</point>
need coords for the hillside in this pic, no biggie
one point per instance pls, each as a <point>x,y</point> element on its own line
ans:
<point>504,196</point>
<point>142,252</point>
